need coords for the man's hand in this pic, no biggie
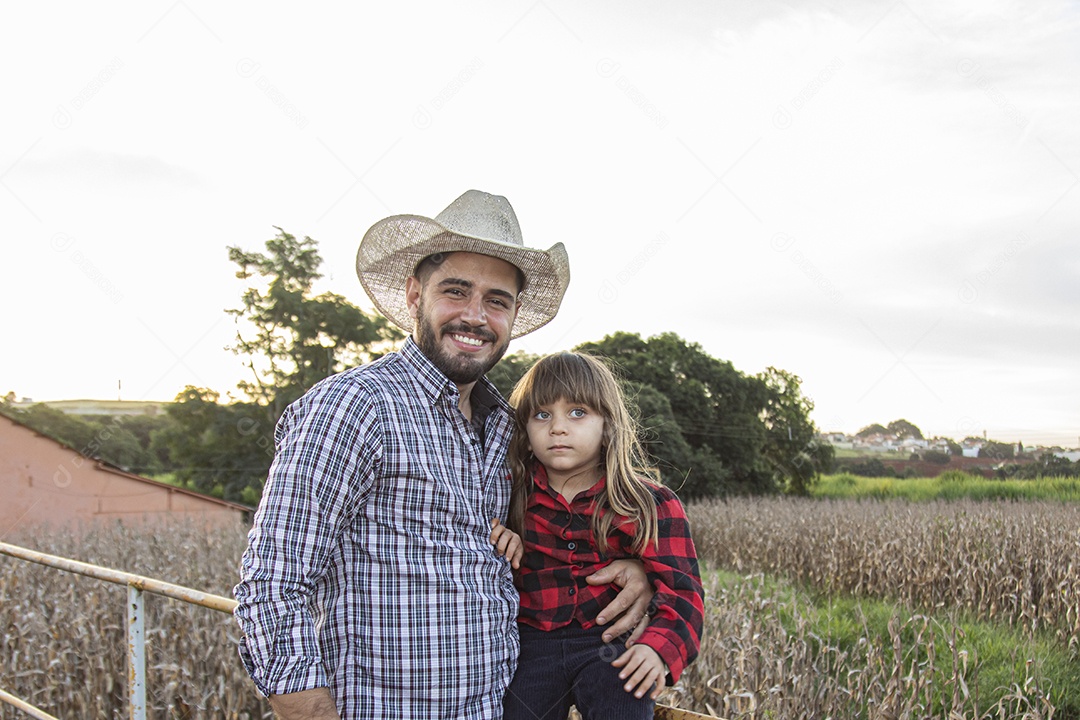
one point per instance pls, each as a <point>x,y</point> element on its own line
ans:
<point>642,667</point>
<point>507,543</point>
<point>632,602</point>
<point>315,704</point>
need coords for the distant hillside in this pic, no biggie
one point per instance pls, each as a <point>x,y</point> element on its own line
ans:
<point>99,407</point>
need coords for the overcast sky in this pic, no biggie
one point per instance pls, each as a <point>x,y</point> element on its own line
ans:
<point>880,197</point>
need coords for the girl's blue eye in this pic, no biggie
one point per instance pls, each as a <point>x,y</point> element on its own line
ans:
<point>542,415</point>
<point>577,412</point>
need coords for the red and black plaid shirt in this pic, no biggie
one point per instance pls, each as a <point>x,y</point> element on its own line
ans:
<point>560,553</point>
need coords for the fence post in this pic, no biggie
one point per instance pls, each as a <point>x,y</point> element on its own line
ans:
<point>136,653</point>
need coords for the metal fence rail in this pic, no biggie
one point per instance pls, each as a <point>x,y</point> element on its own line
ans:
<point>136,618</point>
<point>136,629</point>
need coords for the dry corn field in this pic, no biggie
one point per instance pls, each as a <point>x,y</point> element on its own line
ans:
<point>62,646</point>
<point>1011,562</point>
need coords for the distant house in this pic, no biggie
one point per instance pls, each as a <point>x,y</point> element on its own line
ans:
<point>970,448</point>
<point>940,444</point>
<point>878,443</point>
<point>45,482</point>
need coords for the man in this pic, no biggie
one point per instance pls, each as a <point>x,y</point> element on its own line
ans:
<point>369,588</point>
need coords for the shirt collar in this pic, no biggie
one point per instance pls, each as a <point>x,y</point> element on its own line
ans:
<point>435,383</point>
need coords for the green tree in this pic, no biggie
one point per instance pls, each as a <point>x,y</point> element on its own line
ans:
<point>143,428</point>
<point>114,442</point>
<point>937,457</point>
<point>996,450</point>
<point>875,429</point>
<point>791,446</point>
<point>71,430</point>
<point>904,429</point>
<point>109,438</point>
<point>290,339</point>
<point>1046,466</point>
<point>692,472</point>
<point>716,407</point>
<point>214,448</point>
<point>509,370</point>
<point>869,467</point>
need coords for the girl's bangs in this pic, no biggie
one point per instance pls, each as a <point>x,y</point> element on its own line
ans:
<point>564,377</point>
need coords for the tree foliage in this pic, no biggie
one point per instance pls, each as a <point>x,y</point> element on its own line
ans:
<point>791,444</point>
<point>867,467</point>
<point>937,457</point>
<point>217,449</point>
<point>509,370</point>
<point>710,428</point>
<point>693,472</point>
<point>289,338</point>
<point>870,430</point>
<point>742,433</point>
<point>904,429</point>
<point>997,450</point>
<point>119,440</point>
<point>1047,466</point>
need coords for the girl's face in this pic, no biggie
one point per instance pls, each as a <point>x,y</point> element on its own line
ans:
<point>566,437</point>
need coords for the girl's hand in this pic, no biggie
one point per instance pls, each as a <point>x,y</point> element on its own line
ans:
<point>507,543</point>
<point>642,667</point>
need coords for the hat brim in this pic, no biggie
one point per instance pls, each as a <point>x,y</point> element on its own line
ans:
<point>393,247</point>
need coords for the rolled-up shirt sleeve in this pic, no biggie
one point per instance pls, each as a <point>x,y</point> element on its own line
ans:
<point>328,448</point>
<point>678,616</point>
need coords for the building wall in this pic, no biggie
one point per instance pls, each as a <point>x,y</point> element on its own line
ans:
<point>43,482</point>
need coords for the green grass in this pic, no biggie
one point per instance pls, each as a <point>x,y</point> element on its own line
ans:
<point>950,485</point>
<point>1004,655</point>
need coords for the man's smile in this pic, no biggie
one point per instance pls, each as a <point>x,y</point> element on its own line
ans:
<point>475,342</point>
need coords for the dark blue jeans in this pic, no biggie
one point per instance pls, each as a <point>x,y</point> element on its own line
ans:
<point>570,666</point>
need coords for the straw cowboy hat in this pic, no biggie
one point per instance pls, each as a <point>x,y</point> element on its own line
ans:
<point>478,223</point>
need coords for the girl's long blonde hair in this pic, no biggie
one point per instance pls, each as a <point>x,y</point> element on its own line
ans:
<point>580,378</point>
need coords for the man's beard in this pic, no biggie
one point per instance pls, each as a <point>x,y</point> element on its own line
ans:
<point>460,369</point>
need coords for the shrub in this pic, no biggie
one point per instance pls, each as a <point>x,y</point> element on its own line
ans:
<point>937,457</point>
<point>845,480</point>
<point>869,468</point>
<point>954,476</point>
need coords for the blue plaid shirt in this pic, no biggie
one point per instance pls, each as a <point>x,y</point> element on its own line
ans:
<point>368,568</point>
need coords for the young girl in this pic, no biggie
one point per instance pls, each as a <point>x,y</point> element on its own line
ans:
<point>578,502</point>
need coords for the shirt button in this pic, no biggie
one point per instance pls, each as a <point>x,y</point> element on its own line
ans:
<point>573,591</point>
<point>571,545</point>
